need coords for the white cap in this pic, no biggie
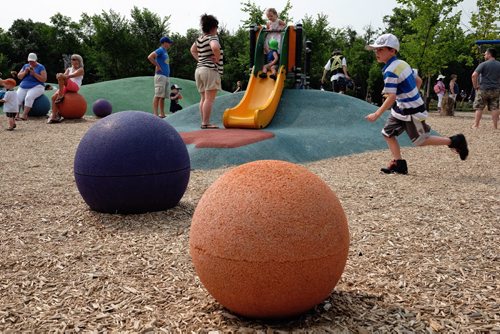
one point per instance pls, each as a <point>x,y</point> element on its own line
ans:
<point>384,41</point>
<point>32,57</point>
<point>440,77</point>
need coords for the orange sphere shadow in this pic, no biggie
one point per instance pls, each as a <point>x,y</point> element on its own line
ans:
<point>269,239</point>
<point>73,106</point>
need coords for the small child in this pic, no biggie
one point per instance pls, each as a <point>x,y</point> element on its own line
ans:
<point>274,25</point>
<point>272,60</point>
<point>408,113</point>
<point>175,96</point>
<point>10,102</point>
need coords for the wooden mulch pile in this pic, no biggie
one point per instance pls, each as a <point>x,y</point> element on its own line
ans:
<point>424,254</point>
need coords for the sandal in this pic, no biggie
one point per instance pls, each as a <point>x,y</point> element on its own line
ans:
<point>59,99</point>
<point>209,126</point>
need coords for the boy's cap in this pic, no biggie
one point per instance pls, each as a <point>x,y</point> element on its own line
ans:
<point>165,39</point>
<point>10,82</point>
<point>175,87</point>
<point>273,44</point>
<point>440,77</point>
<point>384,41</point>
<point>32,57</point>
<point>336,52</point>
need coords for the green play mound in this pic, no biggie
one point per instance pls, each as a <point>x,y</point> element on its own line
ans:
<point>309,125</point>
<point>133,93</point>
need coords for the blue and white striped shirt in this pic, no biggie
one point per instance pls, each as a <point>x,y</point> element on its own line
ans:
<point>400,79</point>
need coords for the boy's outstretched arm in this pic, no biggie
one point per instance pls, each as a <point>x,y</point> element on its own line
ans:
<point>389,101</point>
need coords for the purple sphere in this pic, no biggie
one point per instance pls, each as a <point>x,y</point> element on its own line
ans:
<point>102,108</point>
<point>132,162</point>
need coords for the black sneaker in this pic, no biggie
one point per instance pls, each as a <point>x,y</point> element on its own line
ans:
<point>263,75</point>
<point>273,76</point>
<point>459,144</point>
<point>396,167</point>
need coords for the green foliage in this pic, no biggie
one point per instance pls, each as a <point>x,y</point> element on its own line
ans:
<point>432,35</point>
<point>115,47</point>
<point>485,24</point>
<point>485,21</point>
<point>256,14</point>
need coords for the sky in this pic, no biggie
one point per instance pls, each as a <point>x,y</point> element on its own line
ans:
<point>185,13</point>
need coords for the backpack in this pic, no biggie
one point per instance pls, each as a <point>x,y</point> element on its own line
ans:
<point>456,89</point>
<point>437,89</point>
<point>336,64</point>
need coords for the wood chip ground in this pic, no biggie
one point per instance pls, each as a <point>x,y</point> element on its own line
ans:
<point>424,254</point>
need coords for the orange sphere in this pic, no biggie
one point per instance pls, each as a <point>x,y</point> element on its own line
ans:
<point>269,239</point>
<point>73,106</point>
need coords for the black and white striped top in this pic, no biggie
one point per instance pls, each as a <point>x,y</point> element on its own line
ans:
<point>205,53</point>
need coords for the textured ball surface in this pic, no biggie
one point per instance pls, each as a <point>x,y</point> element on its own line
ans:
<point>269,239</point>
<point>41,106</point>
<point>131,162</point>
<point>102,108</point>
<point>73,106</point>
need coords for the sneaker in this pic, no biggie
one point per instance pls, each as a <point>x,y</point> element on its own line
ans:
<point>263,75</point>
<point>273,76</point>
<point>459,144</point>
<point>396,167</point>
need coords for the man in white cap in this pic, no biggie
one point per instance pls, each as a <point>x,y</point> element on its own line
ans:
<point>401,85</point>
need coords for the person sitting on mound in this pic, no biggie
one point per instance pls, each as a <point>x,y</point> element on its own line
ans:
<point>69,81</point>
<point>272,59</point>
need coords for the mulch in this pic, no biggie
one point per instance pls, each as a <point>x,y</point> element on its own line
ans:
<point>424,254</point>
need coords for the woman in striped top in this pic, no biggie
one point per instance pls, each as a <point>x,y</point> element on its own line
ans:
<point>208,53</point>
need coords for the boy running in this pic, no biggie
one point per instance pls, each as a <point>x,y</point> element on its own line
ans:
<point>401,85</point>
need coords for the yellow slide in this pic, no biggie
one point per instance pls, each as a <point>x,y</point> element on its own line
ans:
<point>256,109</point>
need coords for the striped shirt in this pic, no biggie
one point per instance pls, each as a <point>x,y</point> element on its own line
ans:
<point>400,79</point>
<point>205,53</point>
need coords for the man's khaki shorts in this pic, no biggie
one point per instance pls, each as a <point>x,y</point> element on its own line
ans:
<point>162,86</point>
<point>488,98</point>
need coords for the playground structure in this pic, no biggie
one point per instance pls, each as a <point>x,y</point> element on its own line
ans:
<point>260,101</point>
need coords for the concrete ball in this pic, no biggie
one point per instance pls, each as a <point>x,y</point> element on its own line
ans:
<point>269,239</point>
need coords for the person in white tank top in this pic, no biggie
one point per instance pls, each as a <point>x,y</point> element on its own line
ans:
<point>274,25</point>
<point>69,81</point>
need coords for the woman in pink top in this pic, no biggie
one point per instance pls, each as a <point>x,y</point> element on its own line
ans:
<point>69,81</point>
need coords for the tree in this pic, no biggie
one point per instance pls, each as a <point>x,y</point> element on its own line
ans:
<point>28,36</point>
<point>147,29</point>
<point>485,21</point>
<point>256,14</point>
<point>432,40</point>
<point>112,51</point>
